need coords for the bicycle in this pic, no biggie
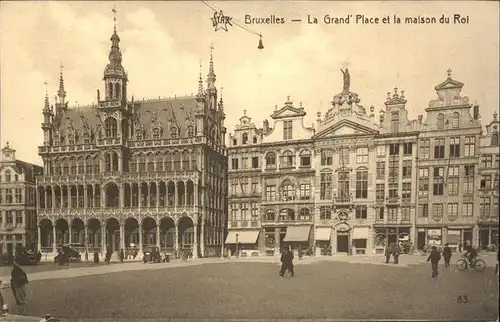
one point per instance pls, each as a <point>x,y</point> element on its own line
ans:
<point>477,263</point>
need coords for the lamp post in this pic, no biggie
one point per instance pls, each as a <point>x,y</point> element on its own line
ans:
<point>237,241</point>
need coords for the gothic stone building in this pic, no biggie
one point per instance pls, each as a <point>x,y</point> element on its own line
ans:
<point>17,202</point>
<point>126,174</point>
<point>353,183</point>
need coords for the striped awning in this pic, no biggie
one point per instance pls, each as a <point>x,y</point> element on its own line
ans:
<point>242,236</point>
<point>297,234</point>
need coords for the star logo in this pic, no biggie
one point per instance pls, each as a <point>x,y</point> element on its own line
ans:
<point>220,21</point>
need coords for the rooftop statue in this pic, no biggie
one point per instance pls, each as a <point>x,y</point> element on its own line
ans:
<point>347,79</point>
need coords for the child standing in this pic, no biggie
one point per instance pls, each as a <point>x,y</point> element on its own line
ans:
<point>434,257</point>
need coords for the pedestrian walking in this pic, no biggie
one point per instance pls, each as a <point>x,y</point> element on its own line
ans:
<point>299,252</point>
<point>96,257</point>
<point>18,282</point>
<point>387,253</point>
<point>4,307</point>
<point>447,255</point>
<point>460,247</point>
<point>287,262</point>
<point>434,258</point>
<point>122,255</point>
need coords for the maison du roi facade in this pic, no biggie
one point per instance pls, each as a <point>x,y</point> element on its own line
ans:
<point>355,183</point>
<point>126,174</point>
<point>17,202</point>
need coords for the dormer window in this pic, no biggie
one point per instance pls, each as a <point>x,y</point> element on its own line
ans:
<point>86,140</point>
<point>455,121</point>
<point>494,139</point>
<point>244,138</point>
<point>287,130</point>
<point>156,134</point>
<point>7,176</point>
<point>254,140</point>
<point>174,132</point>
<point>190,131</point>
<point>71,139</point>
<point>440,121</point>
<point>110,127</point>
<point>57,140</point>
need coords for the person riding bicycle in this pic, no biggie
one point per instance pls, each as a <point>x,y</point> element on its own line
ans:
<point>470,254</point>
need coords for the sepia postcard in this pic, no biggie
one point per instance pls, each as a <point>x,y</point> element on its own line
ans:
<point>249,160</point>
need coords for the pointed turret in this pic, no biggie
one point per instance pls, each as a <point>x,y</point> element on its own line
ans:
<point>211,73</point>
<point>47,118</point>
<point>61,93</point>
<point>200,95</point>
<point>221,103</point>
<point>115,77</point>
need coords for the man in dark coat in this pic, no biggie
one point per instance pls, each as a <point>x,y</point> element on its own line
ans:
<point>396,251</point>
<point>447,255</point>
<point>18,282</point>
<point>287,262</point>
<point>122,255</point>
<point>387,253</point>
<point>434,257</point>
<point>96,257</point>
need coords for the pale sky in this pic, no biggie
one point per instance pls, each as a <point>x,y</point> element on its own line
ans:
<point>163,42</point>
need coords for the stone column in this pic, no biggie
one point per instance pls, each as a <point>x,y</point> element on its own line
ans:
<point>139,197</point>
<point>77,197</point>
<point>148,199</point>
<point>140,238</point>
<point>69,232</point>
<point>53,197</point>
<point>122,236</point>
<point>69,196</point>
<point>85,197</point>
<point>103,239</point>
<point>46,197</point>
<point>176,237</point>
<point>202,238</point>
<point>157,195</point>
<point>62,197</point>
<point>39,238</point>
<point>85,237</point>
<point>158,234</point>
<point>37,190</point>
<point>131,195</point>
<point>195,243</point>
<point>54,239</point>
<point>122,196</point>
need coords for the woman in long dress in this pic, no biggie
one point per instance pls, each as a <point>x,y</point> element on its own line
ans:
<point>18,282</point>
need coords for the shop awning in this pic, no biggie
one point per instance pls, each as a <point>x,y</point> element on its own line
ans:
<point>360,233</point>
<point>244,236</point>
<point>297,234</point>
<point>323,233</point>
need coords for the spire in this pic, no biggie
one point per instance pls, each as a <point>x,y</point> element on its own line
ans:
<point>46,106</point>
<point>61,93</point>
<point>200,83</point>
<point>221,102</point>
<point>211,73</point>
<point>115,56</point>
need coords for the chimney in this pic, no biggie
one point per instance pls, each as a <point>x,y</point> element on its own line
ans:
<point>381,117</point>
<point>476,112</point>
<point>265,125</point>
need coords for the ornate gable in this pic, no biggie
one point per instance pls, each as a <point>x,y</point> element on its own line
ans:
<point>345,127</point>
<point>288,110</point>
<point>449,94</point>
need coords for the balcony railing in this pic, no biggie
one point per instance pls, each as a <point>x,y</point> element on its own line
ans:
<point>342,200</point>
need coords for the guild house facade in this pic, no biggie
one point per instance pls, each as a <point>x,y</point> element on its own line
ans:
<point>128,174</point>
<point>17,202</point>
<point>353,182</point>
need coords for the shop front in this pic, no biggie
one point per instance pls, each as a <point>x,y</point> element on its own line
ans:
<point>323,237</point>
<point>488,237</point>
<point>243,242</point>
<point>297,237</point>
<point>458,236</point>
<point>386,235</point>
<point>359,241</point>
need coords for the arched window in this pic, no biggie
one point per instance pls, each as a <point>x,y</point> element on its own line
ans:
<point>395,122</point>
<point>7,176</point>
<point>494,139</point>
<point>270,160</point>
<point>57,140</point>
<point>117,90</point>
<point>287,215</point>
<point>287,159</point>
<point>255,140</point>
<point>244,138</point>
<point>16,177</point>
<point>455,121</point>
<point>287,191</point>
<point>235,142</point>
<point>174,132</point>
<point>304,214</point>
<point>110,126</point>
<point>107,162</point>
<point>190,131</point>
<point>110,90</point>
<point>440,121</point>
<point>305,158</point>
<point>270,215</point>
